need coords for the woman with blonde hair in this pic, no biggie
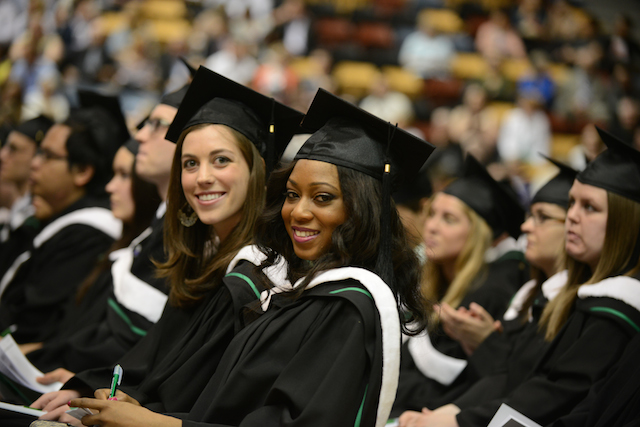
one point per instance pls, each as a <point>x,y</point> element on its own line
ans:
<point>490,350</point>
<point>464,221</point>
<point>596,314</point>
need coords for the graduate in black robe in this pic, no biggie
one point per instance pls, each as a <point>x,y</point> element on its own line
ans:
<point>326,352</point>
<point>432,362</point>
<point>171,365</point>
<point>89,306</point>
<point>603,311</point>
<point>69,174</point>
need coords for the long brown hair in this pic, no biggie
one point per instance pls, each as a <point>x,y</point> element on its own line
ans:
<point>622,230</point>
<point>469,268</point>
<point>194,264</point>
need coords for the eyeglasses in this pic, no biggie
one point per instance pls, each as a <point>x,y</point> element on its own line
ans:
<point>155,124</point>
<point>48,155</point>
<point>540,218</point>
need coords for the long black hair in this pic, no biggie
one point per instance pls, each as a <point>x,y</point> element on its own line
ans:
<point>354,243</point>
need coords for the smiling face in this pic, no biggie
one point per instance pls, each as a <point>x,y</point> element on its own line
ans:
<point>313,207</point>
<point>446,229</point>
<point>119,188</point>
<point>545,236</point>
<point>586,223</point>
<point>215,177</point>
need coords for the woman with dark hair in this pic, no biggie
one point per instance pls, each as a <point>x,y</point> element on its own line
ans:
<point>135,202</point>
<point>589,324</point>
<point>326,351</point>
<point>215,194</point>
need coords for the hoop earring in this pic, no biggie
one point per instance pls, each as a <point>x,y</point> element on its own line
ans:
<point>187,219</point>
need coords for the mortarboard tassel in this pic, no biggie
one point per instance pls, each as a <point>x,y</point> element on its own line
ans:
<point>384,263</point>
<point>271,140</point>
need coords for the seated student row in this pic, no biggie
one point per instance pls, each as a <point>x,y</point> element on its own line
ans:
<point>545,366</point>
<point>339,302</point>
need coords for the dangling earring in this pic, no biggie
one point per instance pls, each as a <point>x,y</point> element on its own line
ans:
<point>189,219</point>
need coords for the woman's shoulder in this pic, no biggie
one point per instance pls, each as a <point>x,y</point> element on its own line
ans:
<point>615,298</point>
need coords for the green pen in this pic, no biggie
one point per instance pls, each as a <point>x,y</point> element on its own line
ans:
<point>117,379</point>
<point>11,329</point>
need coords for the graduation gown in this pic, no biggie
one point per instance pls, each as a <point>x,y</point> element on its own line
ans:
<point>17,234</point>
<point>135,303</point>
<point>615,400</point>
<point>168,369</point>
<point>432,363</point>
<point>35,290</point>
<point>327,358</point>
<point>605,318</point>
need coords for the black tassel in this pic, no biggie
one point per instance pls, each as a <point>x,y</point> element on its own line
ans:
<point>384,263</point>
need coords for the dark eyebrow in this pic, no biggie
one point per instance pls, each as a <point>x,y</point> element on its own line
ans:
<point>315,184</point>
<point>211,153</point>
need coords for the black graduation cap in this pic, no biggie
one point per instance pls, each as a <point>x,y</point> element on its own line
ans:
<point>493,201</point>
<point>418,188</point>
<point>616,169</point>
<point>35,128</point>
<point>215,99</point>
<point>556,190</point>
<point>174,99</point>
<point>346,135</point>
<point>111,105</point>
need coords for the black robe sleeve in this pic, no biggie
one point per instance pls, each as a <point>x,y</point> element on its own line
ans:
<point>168,369</point>
<point>588,345</point>
<point>493,291</point>
<point>36,297</point>
<point>103,341</point>
<point>615,400</point>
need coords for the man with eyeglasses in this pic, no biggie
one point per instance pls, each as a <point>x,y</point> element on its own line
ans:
<point>15,165</point>
<point>68,174</point>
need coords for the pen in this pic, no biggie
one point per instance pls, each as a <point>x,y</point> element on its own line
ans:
<point>117,379</point>
<point>11,329</point>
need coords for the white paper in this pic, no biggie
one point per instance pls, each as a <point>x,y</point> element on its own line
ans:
<point>506,414</point>
<point>79,412</point>
<point>17,367</point>
<point>21,409</point>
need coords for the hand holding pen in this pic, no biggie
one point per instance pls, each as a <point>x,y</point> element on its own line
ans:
<point>115,381</point>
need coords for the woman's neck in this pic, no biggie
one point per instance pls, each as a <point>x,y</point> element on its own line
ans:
<point>449,271</point>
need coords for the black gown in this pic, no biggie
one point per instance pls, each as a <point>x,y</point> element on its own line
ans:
<point>326,358</point>
<point>16,235</point>
<point>122,325</point>
<point>168,369</point>
<point>61,256</point>
<point>605,318</point>
<point>433,365</point>
<point>615,400</point>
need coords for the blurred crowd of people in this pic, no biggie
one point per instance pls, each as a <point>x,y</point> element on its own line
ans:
<point>503,80</point>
